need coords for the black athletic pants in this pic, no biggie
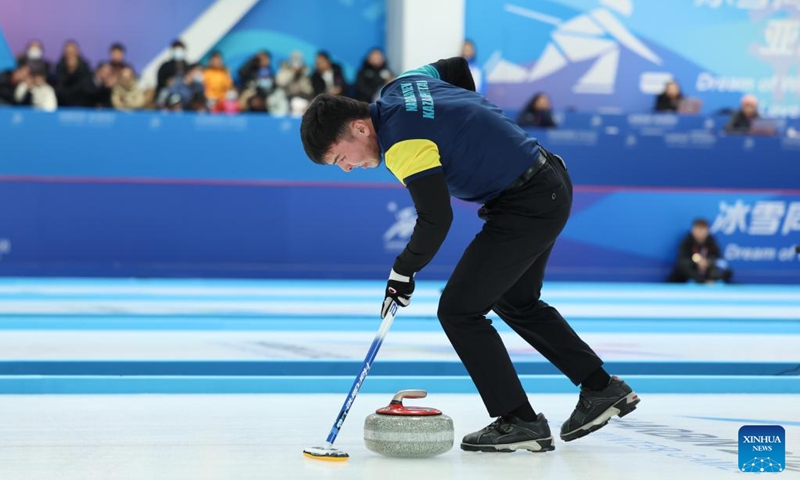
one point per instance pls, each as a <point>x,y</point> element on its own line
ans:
<point>502,270</point>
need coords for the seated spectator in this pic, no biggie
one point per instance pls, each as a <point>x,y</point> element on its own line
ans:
<point>228,104</point>
<point>293,78</point>
<point>117,55</point>
<point>257,73</point>
<point>742,120</point>
<point>173,68</point>
<point>373,75</point>
<point>537,113</point>
<point>699,257</point>
<point>216,78</point>
<point>35,91</point>
<point>255,104</point>
<point>125,95</point>
<point>9,80</point>
<point>470,54</point>
<point>189,89</point>
<point>73,78</point>
<point>669,100</point>
<point>103,81</point>
<point>34,54</point>
<point>328,77</point>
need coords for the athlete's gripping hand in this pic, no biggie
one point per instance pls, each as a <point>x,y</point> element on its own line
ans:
<point>398,289</point>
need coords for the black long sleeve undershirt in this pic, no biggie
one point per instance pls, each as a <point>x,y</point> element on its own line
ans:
<point>434,216</point>
<point>455,71</point>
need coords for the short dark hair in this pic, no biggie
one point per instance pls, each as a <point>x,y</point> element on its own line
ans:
<point>700,222</point>
<point>326,122</point>
<point>118,46</point>
<point>216,53</point>
<point>178,43</point>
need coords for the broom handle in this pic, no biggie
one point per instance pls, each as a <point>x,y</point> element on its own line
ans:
<point>362,375</point>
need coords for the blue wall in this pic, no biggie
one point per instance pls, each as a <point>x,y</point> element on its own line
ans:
<point>150,194</point>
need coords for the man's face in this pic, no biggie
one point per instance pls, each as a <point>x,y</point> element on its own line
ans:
<point>749,110</point>
<point>468,51</point>
<point>117,55</point>
<point>700,233</point>
<point>360,149</point>
<point>71,51</point>
<point>672,90</point>
<point>323,65</point>
<point>376,58</point>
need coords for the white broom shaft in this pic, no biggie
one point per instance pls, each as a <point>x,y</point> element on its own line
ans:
<point>362,375</point>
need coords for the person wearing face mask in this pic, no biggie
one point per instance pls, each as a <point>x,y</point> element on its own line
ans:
<point>172,68</point>
<point>228,104</point>
<point>34,57</point>
<point>257,73</point>
<point>293,78</point>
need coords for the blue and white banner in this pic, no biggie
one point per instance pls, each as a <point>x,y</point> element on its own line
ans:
<point>616,55</point>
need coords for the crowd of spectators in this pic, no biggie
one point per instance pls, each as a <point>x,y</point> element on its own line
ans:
<point>260,85</point>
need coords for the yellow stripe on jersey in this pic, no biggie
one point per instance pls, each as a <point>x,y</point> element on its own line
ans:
<point>411,157</point>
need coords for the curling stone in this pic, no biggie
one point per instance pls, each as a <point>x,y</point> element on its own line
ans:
<point>408,432</point>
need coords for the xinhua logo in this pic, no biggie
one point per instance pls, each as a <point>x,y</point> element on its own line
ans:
<point>762,448</point>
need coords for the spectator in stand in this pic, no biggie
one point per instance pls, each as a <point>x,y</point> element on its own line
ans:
<point>470,54</point>
<point>257,73</point>
<point>293,77</point>
<point>216,78</point>
<point>34,54</point>
<point>35,91</point>
<point>328,77</point>
<point>104,80</point>
<point>669,100</point>
<point>373,75</point>
<point>699,257</point>
<point>125,95</point>
<point>742,120</point>
<point>117,55</point>
<point>9,80</point>
<point>189,89</point>
<point>537,113</point>
<point>73,77</point>
<point>253,103</point>
<point>173,68</point>
<point>228,104</point>
<point>259,85</point>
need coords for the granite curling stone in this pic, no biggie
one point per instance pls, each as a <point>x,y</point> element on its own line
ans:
<point>408,432</point>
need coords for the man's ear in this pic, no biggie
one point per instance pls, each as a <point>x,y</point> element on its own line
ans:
<point>358,126</point>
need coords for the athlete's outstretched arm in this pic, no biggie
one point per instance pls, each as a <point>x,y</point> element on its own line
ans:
<point>434,216</point>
